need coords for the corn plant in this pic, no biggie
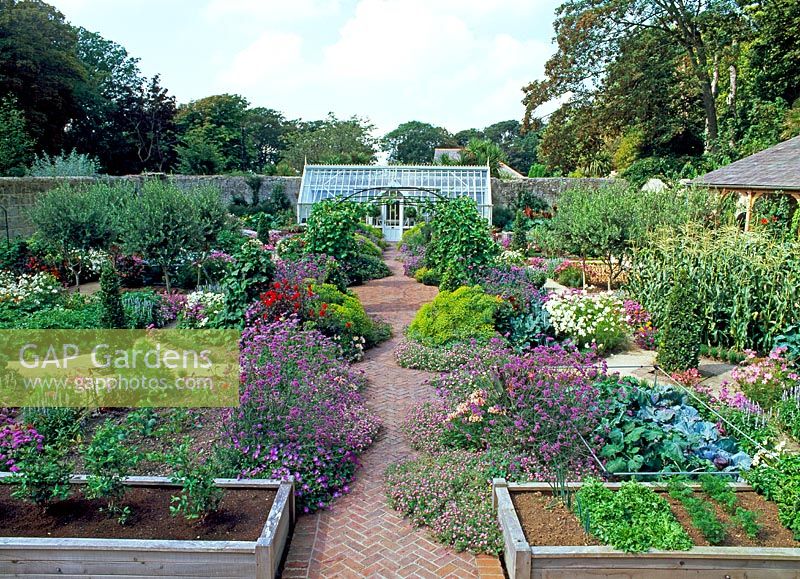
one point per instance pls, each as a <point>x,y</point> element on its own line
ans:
<point>747,285</point>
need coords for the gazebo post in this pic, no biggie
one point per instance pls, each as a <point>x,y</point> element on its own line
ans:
<point>773,170</point>
<point>749,211</point>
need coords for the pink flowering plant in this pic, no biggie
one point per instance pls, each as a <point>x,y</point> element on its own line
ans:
<point>539,404</point>
<point>773,382</point>
<point>450,494</point>
<point>500,414</point>
<point>641,324</point>
<point>741,417</point>
<point>301,413</point>
<point>764,380</point>
<point>690,377</point>
<point>172,305</point>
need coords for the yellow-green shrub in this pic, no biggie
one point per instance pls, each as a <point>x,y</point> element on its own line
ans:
<point>344,309</point>
<point>464,314</point>
<point>366,245</point>
<point>426,276</point>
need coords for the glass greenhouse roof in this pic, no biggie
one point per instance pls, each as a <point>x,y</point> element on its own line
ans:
<point>367,182</point>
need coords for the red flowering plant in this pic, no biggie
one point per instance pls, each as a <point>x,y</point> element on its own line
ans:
<point>284,299</point>
<point>36,265</point>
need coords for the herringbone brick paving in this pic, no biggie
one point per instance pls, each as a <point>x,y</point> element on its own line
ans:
<point>361,536</point>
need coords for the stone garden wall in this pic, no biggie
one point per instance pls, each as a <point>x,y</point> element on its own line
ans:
<point>17,194</point>
<point>548,188</point>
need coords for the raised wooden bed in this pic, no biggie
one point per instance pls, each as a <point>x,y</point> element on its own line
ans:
<point>137,559</point>
<point>524,561</point>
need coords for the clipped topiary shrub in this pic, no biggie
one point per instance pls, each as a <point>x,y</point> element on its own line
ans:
<point>456,316</point>
<point>112,313</point>
<point>679,345</point>
<point>344,309</point>
<point>367,246</point>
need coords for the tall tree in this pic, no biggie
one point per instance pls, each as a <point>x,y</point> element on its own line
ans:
<point>775,50</point>
<point>414,142</point>
<point>503,133</point>
<point>331,141</point>
<point>152,117</point>
<point>39,66</point>
<point>522,152</point>
<point>590,32</point>
<point>483,152</point>
<point>573,139</point>
<point>462,138</point>
<point>645,91</point>
<point>15,144</point>
<point>107,99</point>
<point>265,129</point>
<point>220,120</point>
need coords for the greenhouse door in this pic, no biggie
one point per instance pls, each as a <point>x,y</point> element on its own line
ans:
<point>392,214</point>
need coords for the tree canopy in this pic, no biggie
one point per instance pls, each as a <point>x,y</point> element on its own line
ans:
<point>414,142</point>
<point>40,68</point>
<point>331,141</point>
<point>684,85</point>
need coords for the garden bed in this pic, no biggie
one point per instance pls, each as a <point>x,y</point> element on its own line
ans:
<point>244,538</point>
<point>542,542</point>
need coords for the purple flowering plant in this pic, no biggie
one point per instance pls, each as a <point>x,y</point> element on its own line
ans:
<point>538,404</point>
<point>641,324</point>
<point>313,268</point>
<point>301,413</point>
<point>172,305</point>
<point>14,439</point>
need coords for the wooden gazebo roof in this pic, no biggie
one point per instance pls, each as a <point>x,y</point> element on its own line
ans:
<point>773,169</point>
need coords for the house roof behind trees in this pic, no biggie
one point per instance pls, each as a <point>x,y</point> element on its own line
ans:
<point>775,169</point>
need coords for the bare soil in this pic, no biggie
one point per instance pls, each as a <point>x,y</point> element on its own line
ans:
<point>241,517</point>
<point>549,523</point>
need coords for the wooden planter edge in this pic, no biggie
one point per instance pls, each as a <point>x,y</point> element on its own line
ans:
<point>520,557</point>
<point>267,550</point>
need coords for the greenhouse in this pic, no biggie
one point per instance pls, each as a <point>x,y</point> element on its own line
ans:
<point>394,192</point>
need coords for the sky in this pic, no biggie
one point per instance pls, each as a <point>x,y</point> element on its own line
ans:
<point>453,63</point>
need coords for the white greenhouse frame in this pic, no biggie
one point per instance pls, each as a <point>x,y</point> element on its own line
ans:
<point>393,187</point>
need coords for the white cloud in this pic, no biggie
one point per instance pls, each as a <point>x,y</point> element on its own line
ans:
<point>439,61</point>
<point>271,10</point>
<point>396,39</point>
<point>273,56</point>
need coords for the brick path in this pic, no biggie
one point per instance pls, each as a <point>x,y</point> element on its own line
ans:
<point>361,536</point>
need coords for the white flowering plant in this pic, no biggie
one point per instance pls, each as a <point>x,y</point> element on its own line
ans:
<point>510,257</point>
<point>201,307</point>
<point>588,319</point>
<point>92,261</point>
<point>28,291</point>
